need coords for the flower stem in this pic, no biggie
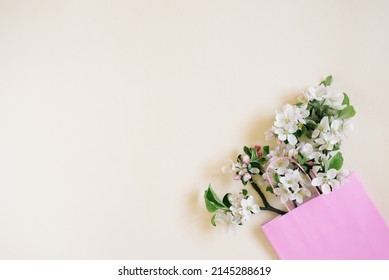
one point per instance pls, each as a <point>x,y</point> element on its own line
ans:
<point>272,209</point>
<point>267,207</point>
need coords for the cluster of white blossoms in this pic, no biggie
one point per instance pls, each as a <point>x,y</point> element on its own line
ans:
<point>291,184</point>
<point>240,169</point>
<point>241,208</point>
<point>305,160</point>
<point>310,132</point>
<point>287,122</point>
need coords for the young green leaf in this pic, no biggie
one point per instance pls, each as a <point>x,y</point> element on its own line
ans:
<point>211,207</point>
<point>244,192</point>
<point>269,189</point>
<point>213,220</point>
<point>276,178</point>
<point>253,154</point>
<point>212,197</point>
<point>307,132</point>
<point>327,82</point>
<point>346,100</point>
<point>255,163</point>
<point>301,159</point>
<point>246,150</point>
<point>226,201</point>
<point>265,151</point>
<point>347,112</point>
<point>336,161</point>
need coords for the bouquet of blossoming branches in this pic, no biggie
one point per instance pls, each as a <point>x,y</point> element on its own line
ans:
<point>306,157</point>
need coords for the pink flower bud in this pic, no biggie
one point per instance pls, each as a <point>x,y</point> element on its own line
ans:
<point>246,159</point>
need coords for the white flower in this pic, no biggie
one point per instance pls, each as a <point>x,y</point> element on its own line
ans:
<point>326,181</point>
<point>279,151</point>
<point>323,126</point>
<point>237,215</point>
<point>311,153</point>
<point>291,179</point>
<point>249,208</point>
<point>229,167</point>
<point>342,176</point>
<point>269,135</point>
<point>283,193</point>
<point>334,100</point>
<point>327,141</point>
<point>235,199</point>
<point>286,133</point>
<point>226,220</point>
<point>303,98</point>
<point>301,113</point>
<point>347,126</point>
<point>299,194</point>
<point>287,117</point>
<point>246,177</point>
<point>280,166</point>
<point>316,92</point>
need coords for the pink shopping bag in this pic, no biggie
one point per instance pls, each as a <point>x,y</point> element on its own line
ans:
<point>344,224</point>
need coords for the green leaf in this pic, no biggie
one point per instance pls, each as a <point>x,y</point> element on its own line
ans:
<point>246,150</point>
<point>244,192</point>
<point>226,201</point>
<point>269,189</point>
<point>265,151</point>
<point>301,159</point>
<point>307,132</point>
<point>211,207</point>
<point>255,163</point>
<point>347,112</point>
<point>346,100</point>
<point>276,178</point>
<point>336,161</point>
<point>213,199</point>
<point>253,154</point>
<point>298,134</point>
<point>213,220</point>
<point>327,82</point>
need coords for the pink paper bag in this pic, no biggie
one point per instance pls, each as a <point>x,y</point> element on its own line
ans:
<point>344,224</point>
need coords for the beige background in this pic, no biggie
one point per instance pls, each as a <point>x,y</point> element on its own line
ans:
<point>115,115</point>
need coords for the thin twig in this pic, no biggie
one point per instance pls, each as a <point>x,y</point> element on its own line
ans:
<point>267,207</point>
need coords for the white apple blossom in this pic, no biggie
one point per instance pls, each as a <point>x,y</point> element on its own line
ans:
<point>291,179</point>
<point>283,193</point>
<point>287,117</point>
<point>226,220</point>
<point>301,113</point>
<point>347,126</point>
<point>334,100</point>
<point>303,98</point>
<point>327,141</point>
<point>326,181</point>
<point>323,126</point>
<point>229,167</point>
<point>269,135</point>
<point>286,133</point>
<point>249,208</point>
<point>280,166</point>
<point>311,153</point>
<point>299,194</point>
<point>342,176</point>
<point>316,92</point>
<point>235,199</point>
